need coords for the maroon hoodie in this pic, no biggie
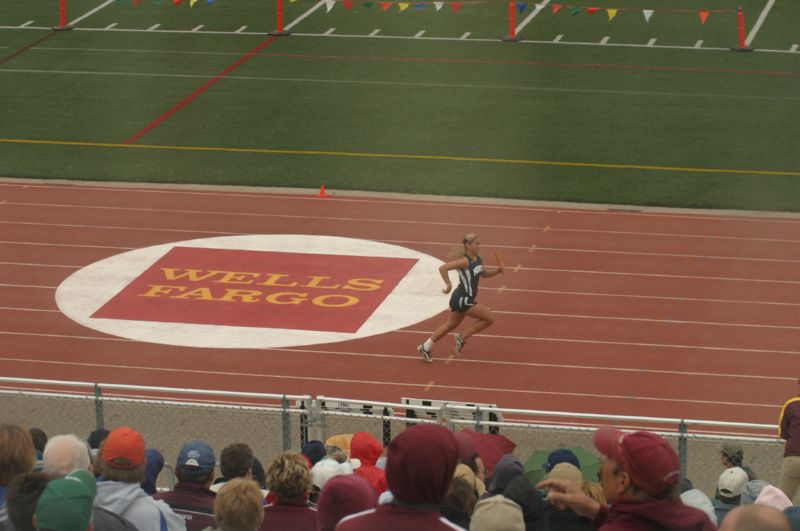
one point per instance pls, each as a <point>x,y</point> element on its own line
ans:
<point>789,424</point>
<point>653,515</point>
<point>367,449</point>
<point>419,466</point>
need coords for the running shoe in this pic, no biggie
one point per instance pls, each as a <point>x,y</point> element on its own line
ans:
<point>426,354</point>
<point>459,343</point>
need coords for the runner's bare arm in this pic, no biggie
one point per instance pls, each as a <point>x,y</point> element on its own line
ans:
<point>447,266</point>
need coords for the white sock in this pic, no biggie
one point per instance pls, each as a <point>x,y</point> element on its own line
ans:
<point>428,344</point>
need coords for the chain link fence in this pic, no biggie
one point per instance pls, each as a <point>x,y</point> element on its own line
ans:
<point>271,424</point>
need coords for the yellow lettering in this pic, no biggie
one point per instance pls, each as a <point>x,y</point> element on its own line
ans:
<point>235,277</point>
<point>316,282</point>
<point>245,295</point>
<point>194,275</point>
<point>203,294</point>
<point>322,300</point>
<point>363,284</point>
<point>293,298</point>
<point>156,290</point>
<point>273,279</point>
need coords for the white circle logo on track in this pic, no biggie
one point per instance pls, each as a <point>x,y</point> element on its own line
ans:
<point>255,291</point>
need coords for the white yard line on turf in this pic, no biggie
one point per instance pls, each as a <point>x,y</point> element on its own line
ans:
<point>304,15</point>
<point>92,12</point>
<point>531,16</point>
<point>757,26</point>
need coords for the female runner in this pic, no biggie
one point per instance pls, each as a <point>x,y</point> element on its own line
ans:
<point>463,300</point>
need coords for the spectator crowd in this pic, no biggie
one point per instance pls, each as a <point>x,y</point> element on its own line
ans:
<point>428,478</point>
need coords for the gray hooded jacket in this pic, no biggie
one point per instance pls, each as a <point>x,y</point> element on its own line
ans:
<point>132,503</point>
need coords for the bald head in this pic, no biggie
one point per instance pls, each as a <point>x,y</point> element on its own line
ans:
<point>761,517</point>
<point>63,454</point>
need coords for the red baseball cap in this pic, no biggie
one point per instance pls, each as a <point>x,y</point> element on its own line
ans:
<point>648,458</point>
<point>124,448</point>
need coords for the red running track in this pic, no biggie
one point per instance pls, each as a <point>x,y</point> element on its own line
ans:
<point>658,313</point>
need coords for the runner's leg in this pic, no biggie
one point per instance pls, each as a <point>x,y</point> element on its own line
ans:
<point>484,318</point>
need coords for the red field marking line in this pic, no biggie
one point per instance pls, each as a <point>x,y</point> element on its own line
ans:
<point>210,83</point>
<point>27,47</point>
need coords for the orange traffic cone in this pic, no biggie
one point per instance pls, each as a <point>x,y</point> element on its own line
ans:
<point>322,192</point>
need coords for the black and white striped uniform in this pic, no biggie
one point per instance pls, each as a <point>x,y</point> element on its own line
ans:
<point>465,295</point>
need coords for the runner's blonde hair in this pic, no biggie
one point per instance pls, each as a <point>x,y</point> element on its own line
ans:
<point>460,252</point>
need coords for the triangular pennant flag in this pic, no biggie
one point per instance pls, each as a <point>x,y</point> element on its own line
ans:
<point>521,6</point>
<point>385,5</point>
<point>612,13</point>
<point>455,6</point>
<point>329,5</point>
<point>574,10</point>
<point>704,15</point>
<point>592,10</point>
<point>348,4</point>
<point>402,6</point>
<point>192,3</point>
<point>557,8</point>
<point>438,5</point>
<point>647,14</point>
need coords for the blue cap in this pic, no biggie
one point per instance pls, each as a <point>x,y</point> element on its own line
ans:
<point>196,458</point>
<point>561,456</point>
<point>314,450</point>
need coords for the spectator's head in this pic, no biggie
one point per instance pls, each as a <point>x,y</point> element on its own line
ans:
<point>507,468</point>
<point>365,448</point>
<point>497,513</point>
<point>97,437</point>
<point>196,463</point>
<point>154,463</point>
<point>562,455</point>
<point>697,499</point>
<point>752,490</point>
<point>420,464</point>
<point>731,455</point>
<point>326,469</point>
<point>567,472</point>
<point>67,503</point>
<point>259,474</point>
<point>63,454</point>
<point>21,498</point>
<point>39,438</point>
<point>239,506</point>
<point>752,517</point>
<point>773,497</point>
<point>731,484</point>
<point>465,472</point>
<point>594,491</point>
<point>121,456</point>
<point>17,453</point>
<point>343,495</point>
<point>636,466</point>
<point>314,451</point>
<point>236,461</point>
<point>288,477</point>
<point>461,495</point>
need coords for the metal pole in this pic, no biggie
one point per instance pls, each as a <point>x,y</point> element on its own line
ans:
<point>286,424</point>
<point>98,407</point>
<point>682,447</point>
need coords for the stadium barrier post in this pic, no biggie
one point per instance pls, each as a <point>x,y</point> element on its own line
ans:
<point>742,40</point>
<point>279,31</point>
<point>387,427</point>
<point>477,415</point>
<point>512,23</point>
<point>99,421</point>
<point>286,424</point>
<point>303,425</point>
<point>682,448</point>
<point>62,17</point>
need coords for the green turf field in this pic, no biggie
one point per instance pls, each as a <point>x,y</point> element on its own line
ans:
<point>427,99</point>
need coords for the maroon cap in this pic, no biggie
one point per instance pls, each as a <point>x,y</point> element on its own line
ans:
<point>648,458</point>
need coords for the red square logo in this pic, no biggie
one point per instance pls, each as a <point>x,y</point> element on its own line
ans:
<point>266,289</point>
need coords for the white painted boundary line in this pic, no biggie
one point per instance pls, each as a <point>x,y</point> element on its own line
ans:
<point>304,15</point>
<point>92,12</point>
<point>757,26</point>
<point>531,16</point>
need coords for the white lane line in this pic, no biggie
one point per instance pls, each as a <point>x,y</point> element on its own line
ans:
<point>558,38</point>
<point>92,12</point>
<point>531,16</point>
<point>605,40</point>
<point>241,29</point>
<point>374,33</point>
<point>651,42</point>
<point>26,24</point>
<point>304,15</point>
<point>794,47</point>
<point>80,246</point>
<point>197,28</point>
<point>698,44</point>
<point>383,383</point>
<point>153,27</point>
<point>757,26</point>
<point>330,31</point>
<point>419,34</point>
<point>465,36</point>
<point>112,25</point>
<point>42,265</point>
